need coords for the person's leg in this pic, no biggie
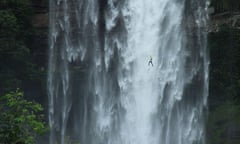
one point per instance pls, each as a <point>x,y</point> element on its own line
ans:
<point>150,62</point>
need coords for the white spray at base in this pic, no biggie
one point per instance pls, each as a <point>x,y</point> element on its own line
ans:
<point>102,89</point>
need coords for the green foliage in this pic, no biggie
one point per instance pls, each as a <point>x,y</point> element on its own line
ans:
<point>20,120</point>
<point>224,121</point>
<point>225,63</point>
<point>225,5</point>
<point>15,37</point>
<point>22,11</point>
<point>224,97</point>
<point>8,24</point>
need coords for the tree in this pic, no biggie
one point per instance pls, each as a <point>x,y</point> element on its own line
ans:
<point>223,124</point>
<point>21,121</point>
<point>225,5</point>
<point>17,65</point>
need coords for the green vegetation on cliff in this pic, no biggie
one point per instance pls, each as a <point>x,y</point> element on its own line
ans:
<point>16,33</point>
<point>225,5</point>
<point>21,121</point>
<point>224,97</point>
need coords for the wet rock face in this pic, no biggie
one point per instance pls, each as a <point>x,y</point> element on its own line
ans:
<point>231,19</point>
<point>40,23</point>
<point>40,20</point>
<point>40,39</point>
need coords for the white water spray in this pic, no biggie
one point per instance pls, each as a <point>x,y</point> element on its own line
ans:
<point>101,88</point>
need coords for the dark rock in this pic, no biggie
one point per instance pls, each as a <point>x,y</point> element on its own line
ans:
<point>40,20</point>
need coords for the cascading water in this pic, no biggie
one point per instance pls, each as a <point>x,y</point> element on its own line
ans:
<point>101,88</point>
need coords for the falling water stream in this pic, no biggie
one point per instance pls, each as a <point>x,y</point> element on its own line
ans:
<point>101,87</point>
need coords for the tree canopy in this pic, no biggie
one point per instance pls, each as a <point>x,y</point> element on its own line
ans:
<point>21,121</point>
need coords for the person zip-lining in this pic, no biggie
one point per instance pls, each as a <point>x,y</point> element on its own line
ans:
<point>150,61</point>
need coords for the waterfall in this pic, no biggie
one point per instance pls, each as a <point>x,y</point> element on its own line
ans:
<point>101,87</point>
